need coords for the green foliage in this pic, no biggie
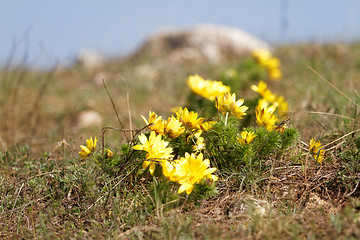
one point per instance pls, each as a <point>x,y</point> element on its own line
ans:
<point>200,104</point>
<point>162,197</point>
<point>357,143</point>
<point>221,144</point>
<point>203,190</point>
<point>112,165</point>
<point>269,143</point>
<point>250,160</point>
<point>182,144</point>
<point>343,223</point>
<point>347,177</point>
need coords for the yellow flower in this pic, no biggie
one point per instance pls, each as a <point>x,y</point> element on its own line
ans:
<point>262,103</point>
<point>272,64</point>
<point>261,56</point>
<point>85,152</point>
<point>275,74</point>
<point>189,119</point>
<point>273,67</point>
<point>109,154</point>
<point>157,124</point>
<point>228,103</point>
<point>89,148</point>
<point>199,144</point>
<point>264,92</point>
<point>279,103</point>
<point>206,126</point>
<point>282,106</point>
<point>168,169</point>
<point>315,149</point>
<point>230,73</point>
<point>173,127</point>
<point>91,144</point>
<point>265,117</point>
<point>156,148</point>
<point>175,109</point>
<point>246,137</point>
<point>281,127</point>
<point>207,88</point>
<point>214,89</point>
<point>192,169</point>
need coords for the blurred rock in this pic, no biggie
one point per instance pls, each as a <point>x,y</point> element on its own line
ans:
<point>146,71</point>
<point>89,58</point>
<point>88,118</point>
<point>315,202</point>
<point>99,78</point>
<point>210,43</point>
<point>249,205</point>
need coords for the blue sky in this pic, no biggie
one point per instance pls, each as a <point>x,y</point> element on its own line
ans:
<point>50,31</point>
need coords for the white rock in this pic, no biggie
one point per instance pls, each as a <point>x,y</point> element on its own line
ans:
<point>146,71</point>
<point>249,205</point>
<point>99,78</point>
<point>88,118</point>
<point>212,42</point>
<point>89,58</point>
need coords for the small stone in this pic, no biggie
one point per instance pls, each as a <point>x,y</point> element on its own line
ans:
<point>88,118</point>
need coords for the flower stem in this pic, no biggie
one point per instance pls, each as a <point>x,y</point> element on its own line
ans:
<point>226,118</point>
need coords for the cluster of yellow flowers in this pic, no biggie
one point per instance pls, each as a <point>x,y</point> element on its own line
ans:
<point>186,171</point>
<point>192,168</point>
<point>88,149</point>
<point>272,64</point>
<point>185,121</point>
<point>215,90</point>
<point>226,103</point>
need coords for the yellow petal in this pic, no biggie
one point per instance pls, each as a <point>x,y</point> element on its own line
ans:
<point>152,168</point>
<point>138,147</point>
<point>181,189</point>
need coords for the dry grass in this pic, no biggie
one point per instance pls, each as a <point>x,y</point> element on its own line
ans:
<point>47,192</point>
